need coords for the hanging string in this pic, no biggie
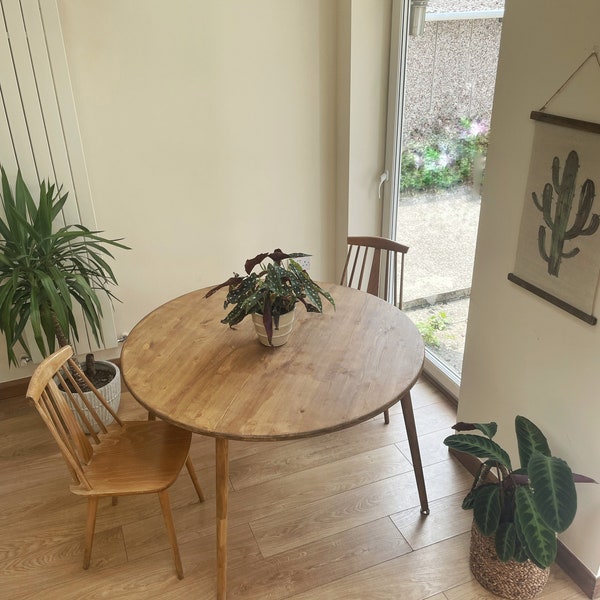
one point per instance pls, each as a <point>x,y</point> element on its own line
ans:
<point>560,89</point>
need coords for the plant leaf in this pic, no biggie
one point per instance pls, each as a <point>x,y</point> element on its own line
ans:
<point>538,539</point>
<point>478,446</point>
<point>252,262</point>
<point>488,429</point>
<point>487,508</point>
<point>44,266</point>
<point>467,502</point>
<point>577,478</point>
<point>554,494</point>
<point>520,554</point>
<point>506,539</point>
<point>268,320</point>
<point>529,439</point>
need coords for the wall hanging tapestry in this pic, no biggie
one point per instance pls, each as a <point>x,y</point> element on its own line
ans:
<point>558,253</point>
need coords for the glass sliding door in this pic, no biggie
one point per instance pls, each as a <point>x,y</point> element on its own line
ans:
<point>444,87</point>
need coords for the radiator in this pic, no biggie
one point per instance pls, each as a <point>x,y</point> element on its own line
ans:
<point>39,132</point>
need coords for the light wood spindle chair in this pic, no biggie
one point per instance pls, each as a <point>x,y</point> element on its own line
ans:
<point>362,271</point>
<point>131,457</point>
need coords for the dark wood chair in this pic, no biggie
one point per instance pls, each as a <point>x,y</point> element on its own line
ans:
<point>129,457</point>
<point>376,266</point>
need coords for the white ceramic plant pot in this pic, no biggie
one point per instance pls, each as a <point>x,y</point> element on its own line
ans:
<point>111,392</point>
<point>281,334</point>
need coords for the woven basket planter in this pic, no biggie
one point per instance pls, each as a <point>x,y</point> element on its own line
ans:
<point>511,580</point>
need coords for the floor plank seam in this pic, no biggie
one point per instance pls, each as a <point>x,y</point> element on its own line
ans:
<point>360,554</point>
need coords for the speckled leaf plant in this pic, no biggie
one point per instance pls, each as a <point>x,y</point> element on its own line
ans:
<point>523,508</point>
<point>271,292</point>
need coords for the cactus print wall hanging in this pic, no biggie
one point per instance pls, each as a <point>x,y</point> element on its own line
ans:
<point>558,254</point>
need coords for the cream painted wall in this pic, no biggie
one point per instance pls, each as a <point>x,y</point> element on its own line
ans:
<point>211,132</point>
<point>524,356</point>
<point>208,132</point>
<point>370,50</point>
<point>343,73</point>
<point>364,28</point>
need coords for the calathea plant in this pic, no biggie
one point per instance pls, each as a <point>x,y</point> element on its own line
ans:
<point>523,508</point>
<point>272,291</point>
<point>46,269</point>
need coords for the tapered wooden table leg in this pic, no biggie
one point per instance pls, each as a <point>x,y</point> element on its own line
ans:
<point>222,454</point>
<point>415,453</point>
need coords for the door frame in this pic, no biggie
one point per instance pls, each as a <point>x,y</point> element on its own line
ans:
<point>393,142</point>
<point>433,367</point>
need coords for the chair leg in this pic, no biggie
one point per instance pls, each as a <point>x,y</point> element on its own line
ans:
<point>168,516</point>
<point>194,478</point>
<point>115,500</point>
<point>386,417</point>
<point>413,443</point>
<point>89,530</point>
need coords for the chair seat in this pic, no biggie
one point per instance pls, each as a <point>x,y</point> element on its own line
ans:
<point>138,458</point>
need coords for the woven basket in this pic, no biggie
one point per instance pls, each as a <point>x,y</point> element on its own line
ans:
<point>512,580</point>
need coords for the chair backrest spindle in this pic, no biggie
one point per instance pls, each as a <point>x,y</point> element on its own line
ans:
<point>64,377</point>
<point>73,367</point>
<point>367,253</point>
<point>51,391</point>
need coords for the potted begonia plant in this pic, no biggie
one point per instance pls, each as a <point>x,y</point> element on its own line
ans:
<point>270,294</point>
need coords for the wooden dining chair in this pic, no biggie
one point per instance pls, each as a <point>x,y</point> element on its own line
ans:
<point>131,457</point>
<point>376,266</point>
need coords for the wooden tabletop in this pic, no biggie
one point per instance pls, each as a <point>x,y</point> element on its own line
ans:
<point>337,369</point>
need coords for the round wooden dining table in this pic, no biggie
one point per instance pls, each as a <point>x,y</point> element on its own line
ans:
<point>339,368</point>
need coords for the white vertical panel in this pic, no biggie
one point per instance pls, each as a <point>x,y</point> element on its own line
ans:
<point>55,48</point>
<point>7,154</point>
<point>7,151</point>
<point>38,121</point>
<point>31,109</point>
<point>13,109</point>
<point>54,85</point>
<point>41,71</point>
<point>66,103</point>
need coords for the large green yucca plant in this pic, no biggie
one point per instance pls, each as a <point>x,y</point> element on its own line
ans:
<point>523,508</point>
<point>47,269</point>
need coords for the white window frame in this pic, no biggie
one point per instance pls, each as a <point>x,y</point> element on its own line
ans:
<point>434,368</point>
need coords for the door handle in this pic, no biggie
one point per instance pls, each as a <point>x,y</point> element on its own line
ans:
<point>382,179</point>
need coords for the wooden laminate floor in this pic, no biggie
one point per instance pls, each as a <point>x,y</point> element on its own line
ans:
<point>324,518</point>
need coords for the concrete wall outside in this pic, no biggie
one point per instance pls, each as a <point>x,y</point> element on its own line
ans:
<point>451,72</point>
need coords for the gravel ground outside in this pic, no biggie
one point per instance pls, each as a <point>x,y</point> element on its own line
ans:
<point>440,230</point>
<point>449,343</point>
